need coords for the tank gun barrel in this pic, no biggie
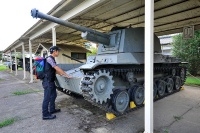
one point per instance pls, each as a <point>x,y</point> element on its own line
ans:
<point>87,33</point>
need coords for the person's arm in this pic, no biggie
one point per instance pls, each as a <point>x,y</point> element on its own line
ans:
<point>61,72</point>
<point>58,69</point>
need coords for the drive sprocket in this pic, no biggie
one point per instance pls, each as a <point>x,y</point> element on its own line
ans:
<point>102,86</point>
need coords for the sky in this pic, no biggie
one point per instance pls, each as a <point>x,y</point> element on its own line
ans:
<point>16,18</point>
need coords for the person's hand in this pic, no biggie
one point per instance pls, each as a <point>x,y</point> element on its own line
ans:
<point>67,76</point>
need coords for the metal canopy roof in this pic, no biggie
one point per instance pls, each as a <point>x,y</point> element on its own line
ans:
<point>170,16</point>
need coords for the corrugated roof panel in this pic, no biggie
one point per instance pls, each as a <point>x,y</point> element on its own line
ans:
<point>104,8</point>
<point>124,13</point>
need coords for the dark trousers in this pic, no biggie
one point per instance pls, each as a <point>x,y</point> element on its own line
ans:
<point>49,97</point>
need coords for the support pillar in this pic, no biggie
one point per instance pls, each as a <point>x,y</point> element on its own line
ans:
<point>31,63</point>
<point>11,61</point>
<point>24,66</point>
<point>16,62</point>
<point>149,58</point>
<point>54,36</point>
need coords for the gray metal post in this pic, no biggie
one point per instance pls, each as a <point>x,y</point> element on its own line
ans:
<point>15,62</point>
<point>23,56</point>
<point>31,64</point>
<point>149,26</point>
<point>11,61</point>
<point>54,36</point>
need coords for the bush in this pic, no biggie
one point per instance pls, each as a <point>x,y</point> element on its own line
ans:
<point>188,51</point>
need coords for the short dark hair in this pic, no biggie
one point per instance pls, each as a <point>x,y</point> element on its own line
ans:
<point>54,48</point>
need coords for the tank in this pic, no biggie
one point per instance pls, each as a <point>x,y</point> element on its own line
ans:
<point>115,76</point>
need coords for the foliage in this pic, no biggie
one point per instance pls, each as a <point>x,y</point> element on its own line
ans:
<point>7,122</point>
<point>3,67</point>
<point>18,55</point>
<point>1,53</point>
<point>192,81</point>
<point>93,51</point>
<point>188,51</point>
<point>166,131</point>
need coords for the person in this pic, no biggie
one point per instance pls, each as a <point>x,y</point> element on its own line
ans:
<point>48,105</point>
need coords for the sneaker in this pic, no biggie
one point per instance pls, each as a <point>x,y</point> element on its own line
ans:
<point>49,117</point>
<point>55,111</point>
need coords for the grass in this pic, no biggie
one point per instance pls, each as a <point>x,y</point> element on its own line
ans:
<point>3,67</point>
<point>2,79</point>
<point>177,118</point>
<point>166,131</point>
<point>24,92</point>
<point>193,81</point>
<point>7,122</point>
<point>20,68</point>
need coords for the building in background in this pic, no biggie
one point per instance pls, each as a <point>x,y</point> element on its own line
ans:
<point>166,43</point>
<point>73,51</point>
<point>166,46</point>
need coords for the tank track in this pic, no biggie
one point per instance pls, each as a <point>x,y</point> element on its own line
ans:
<point>122,72</point>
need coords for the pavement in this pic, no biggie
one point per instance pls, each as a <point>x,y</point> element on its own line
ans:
<point>178,113</point>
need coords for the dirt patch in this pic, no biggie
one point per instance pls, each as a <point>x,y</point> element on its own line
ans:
<point>91,117</point>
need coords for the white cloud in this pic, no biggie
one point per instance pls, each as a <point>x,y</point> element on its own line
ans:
<point>16,18</point>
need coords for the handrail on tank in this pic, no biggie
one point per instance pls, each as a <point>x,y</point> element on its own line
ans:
<point>88,34</point>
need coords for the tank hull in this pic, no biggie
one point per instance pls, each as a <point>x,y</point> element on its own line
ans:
<point>71,85</point>
<point>93,83</point>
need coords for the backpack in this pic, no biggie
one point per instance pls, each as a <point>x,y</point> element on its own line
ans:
<point>39,67</point>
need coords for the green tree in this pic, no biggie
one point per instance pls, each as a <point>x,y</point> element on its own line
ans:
<point>1,52</point>
<point>188,50</point>
<point>93,51</point>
